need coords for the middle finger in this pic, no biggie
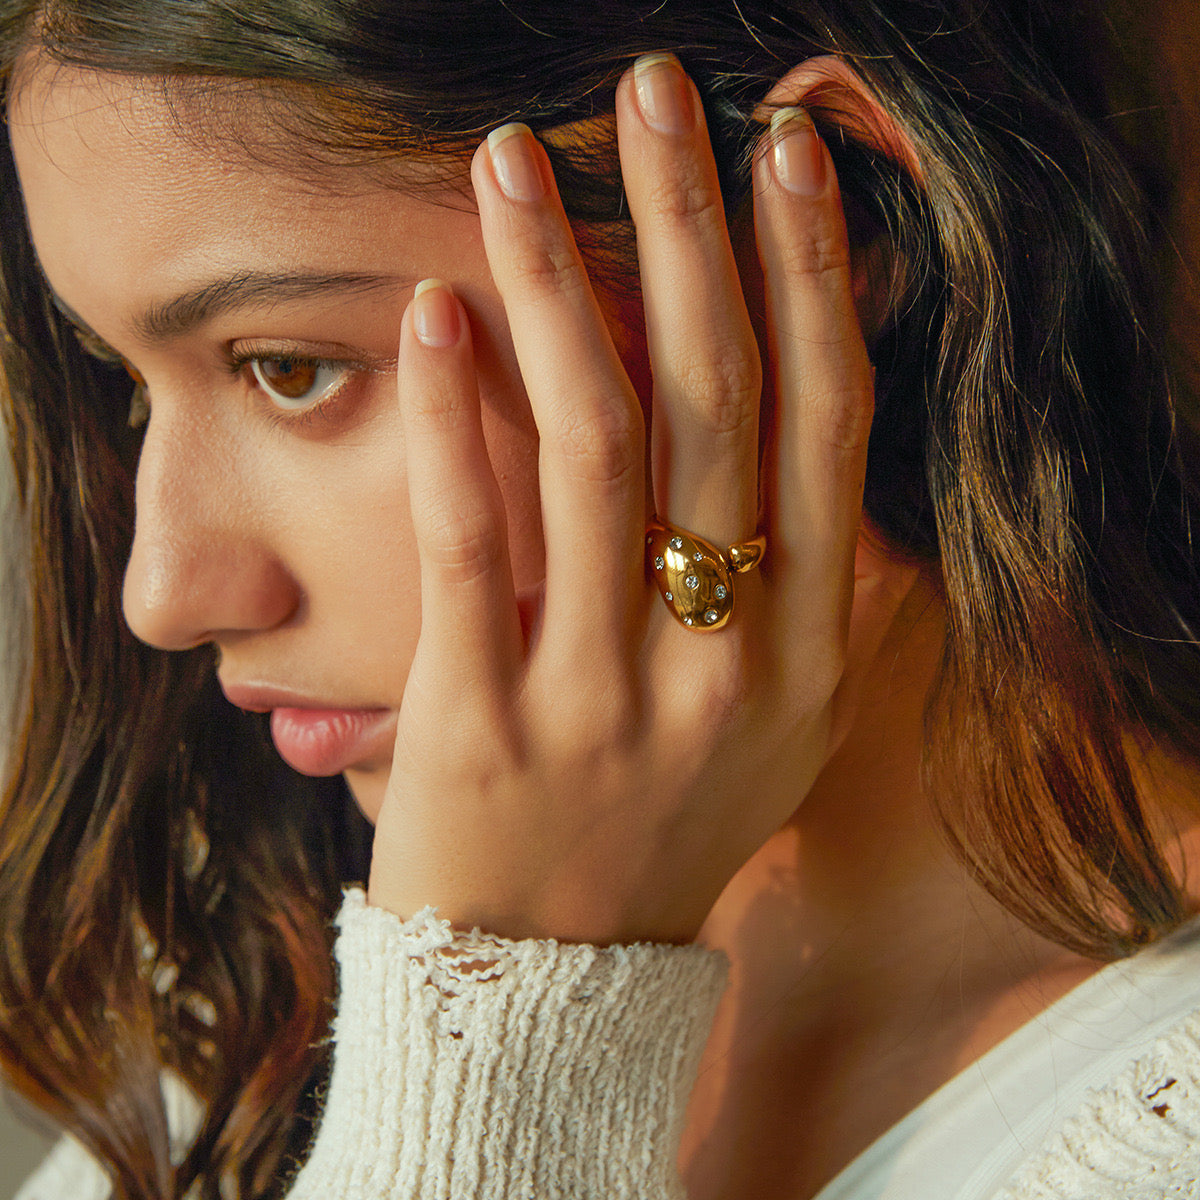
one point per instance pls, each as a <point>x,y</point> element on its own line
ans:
<point>703,353</point>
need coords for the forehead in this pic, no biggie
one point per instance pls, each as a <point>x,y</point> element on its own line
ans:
<point>125,137</point>
<point>117,179</point>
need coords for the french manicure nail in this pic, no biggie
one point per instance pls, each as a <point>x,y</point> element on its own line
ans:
<point>517,170</point>
<point>797,156</point>
<point>435,314</point>
<point>663,94</point>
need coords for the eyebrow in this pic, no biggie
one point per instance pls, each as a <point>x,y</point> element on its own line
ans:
<point>191,309</point>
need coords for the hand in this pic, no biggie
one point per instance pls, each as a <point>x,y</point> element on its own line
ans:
<point>604,781</point>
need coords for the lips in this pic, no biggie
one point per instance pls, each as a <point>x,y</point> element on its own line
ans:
<point>316,739</point>
<point>328,741</point>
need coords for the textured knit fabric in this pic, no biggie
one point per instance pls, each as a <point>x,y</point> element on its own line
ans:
<point>969,1138</point>
<point>1138,1138</point>
<point>472,1067</point>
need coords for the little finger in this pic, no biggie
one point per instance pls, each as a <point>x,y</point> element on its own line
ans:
<point>824,380</point>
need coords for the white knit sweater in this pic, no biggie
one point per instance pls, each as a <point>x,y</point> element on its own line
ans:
<point>468,1067</point>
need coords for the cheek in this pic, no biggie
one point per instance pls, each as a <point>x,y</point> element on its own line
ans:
<point>345,531</point>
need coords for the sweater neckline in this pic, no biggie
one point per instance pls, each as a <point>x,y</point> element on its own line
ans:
<point>968,1138</point>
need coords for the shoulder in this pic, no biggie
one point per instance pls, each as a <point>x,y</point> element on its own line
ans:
<point>1137,1138</point>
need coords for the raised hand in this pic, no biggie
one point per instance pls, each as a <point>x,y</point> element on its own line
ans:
<point>603,778</point>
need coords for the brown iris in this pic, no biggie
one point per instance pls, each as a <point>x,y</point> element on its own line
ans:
<point>292,378</point>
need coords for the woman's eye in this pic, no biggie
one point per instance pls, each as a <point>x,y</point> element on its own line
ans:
<point>297,383</point>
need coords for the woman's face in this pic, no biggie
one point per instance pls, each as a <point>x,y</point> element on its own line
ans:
<point>272,506</point>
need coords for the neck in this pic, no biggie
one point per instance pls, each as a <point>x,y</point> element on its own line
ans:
<point>868,967</point>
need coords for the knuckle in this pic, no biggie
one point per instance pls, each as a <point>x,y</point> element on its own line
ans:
<point>823,255</point>
<point>462,548</point>
<point>441,409</point>
<point>602,445</point>
<point>729,695</point>
<point>725,390</point>
<point>688,200</point>
<point>614,732</point>
<point>842,417</point>
<point>715,700</point>
<point>548,270</point>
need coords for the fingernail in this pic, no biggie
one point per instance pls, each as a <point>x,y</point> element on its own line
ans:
<point>663,94</point>
<point>435,314</point>
<point>516,168</point>
<point>797,156</point>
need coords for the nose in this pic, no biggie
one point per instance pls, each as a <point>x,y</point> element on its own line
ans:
<point>202,568</point>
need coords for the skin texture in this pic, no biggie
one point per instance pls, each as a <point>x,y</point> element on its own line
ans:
<point>645,847</point>
<point>271,534</point>
<point>568,760</point>
<point>310,590</point>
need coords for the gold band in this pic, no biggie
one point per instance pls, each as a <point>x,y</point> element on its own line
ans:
<point>694,577</point>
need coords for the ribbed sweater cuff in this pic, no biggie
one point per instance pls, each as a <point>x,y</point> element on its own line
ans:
<point>467,1065</point>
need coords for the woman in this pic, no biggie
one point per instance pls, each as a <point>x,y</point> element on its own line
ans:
<point>427,565</point>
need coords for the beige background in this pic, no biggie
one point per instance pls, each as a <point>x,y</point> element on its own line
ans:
<point>21,1149</point>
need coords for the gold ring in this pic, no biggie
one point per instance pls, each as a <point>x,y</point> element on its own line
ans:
<point>694,577</point>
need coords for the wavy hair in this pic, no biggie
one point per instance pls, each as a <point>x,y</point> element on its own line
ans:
<point>164,905</point>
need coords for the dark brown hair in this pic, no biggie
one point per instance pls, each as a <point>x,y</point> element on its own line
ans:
<point>1026,441</point>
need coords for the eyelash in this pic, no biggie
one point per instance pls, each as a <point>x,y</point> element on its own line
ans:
<point>242,365</point>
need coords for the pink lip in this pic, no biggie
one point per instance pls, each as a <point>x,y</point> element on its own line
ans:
<point>328,741</point>
<point>315,738</point>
